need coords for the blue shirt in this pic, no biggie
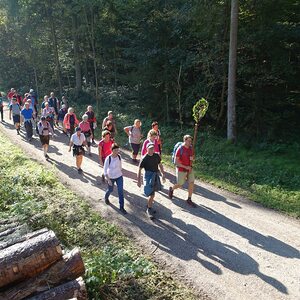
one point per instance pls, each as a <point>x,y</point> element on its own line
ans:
<point>27,113</point>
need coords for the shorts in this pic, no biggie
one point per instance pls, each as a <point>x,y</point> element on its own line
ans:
<point>16,119</point>
<point>44,139</point>
<point>182,177</point>
<point>135,148</point>
<point>78,150</point>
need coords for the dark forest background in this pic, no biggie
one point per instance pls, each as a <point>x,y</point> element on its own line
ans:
<point>159,57</point>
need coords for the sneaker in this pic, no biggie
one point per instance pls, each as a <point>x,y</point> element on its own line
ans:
<point>18,131</point>
<point>149,213</point>
<point>107,201</point>
<point>47,156</point>
<point>153,211</point>
<point>171,191</point>
<point>80,171</point>
<point>103,178</point>
<point>191,203</point>
<point>123,211</point>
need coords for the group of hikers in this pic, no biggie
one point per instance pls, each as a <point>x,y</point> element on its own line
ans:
<point>57,116</point>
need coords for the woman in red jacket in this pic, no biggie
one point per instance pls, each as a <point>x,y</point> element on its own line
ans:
<point>70,122</point>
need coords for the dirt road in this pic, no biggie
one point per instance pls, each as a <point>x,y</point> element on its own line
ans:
<point>226,248</point>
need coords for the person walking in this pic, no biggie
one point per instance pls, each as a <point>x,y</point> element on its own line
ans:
<point>184,158</point>
<point>27,114</point>
<point>113,174</point>
<point>104,149</point>
<point>87,131</point>
<point>135,134</point>
<point>158,137</point>
<point>110,117</point>
<point>151,138</point>
<point>14,112</point>
<point>70,121</point>
<point>45,130</point>
<point>61,115</point>
<point>92,120</point>
<point>49,113</point>
<point>77,141</point>
<point>150,163</point>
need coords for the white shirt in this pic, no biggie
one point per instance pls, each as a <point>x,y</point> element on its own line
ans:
<point>114,169</point>
<point>78,141</point>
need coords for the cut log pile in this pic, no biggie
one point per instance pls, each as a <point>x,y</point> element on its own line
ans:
<point>33,265</point>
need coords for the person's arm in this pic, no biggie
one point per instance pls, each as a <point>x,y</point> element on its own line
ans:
<point>139,177</point>
<point>104,123</point>
<point>70,145</point>
<point>84,140</point>
<point>162,171</point>
<point>100,154</point>
<point>126,129</point>
<point>50,129</point>
<point>105,172</point>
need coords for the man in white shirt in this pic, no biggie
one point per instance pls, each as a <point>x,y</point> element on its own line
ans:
<point>78,141</point>
<point>113,173</point>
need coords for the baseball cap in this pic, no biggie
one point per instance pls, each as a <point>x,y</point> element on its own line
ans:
<point>150,145</point>
<point>78,129</point>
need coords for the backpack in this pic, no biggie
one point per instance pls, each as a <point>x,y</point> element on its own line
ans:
<point>177,145</point>
<point>109,158</point>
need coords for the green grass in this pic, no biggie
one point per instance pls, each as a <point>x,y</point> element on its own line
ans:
<point>268,173</point>
<point>114,267</point>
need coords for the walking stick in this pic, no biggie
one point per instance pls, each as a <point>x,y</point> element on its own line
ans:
<point>199,110</point>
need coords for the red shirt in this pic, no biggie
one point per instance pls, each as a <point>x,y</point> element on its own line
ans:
<point>106,148</point>
<point>184,154</point>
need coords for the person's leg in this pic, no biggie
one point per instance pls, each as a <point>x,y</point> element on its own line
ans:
<point>119,182</point>
<point>78,161</point>
<point>150,200</point>
<point>1,111</point>
<point>30,130</point>
<point>180,178</point>
<point>109,190</point>
<point>190,190</point>
<point>26,124</point>
<point>88,140</point>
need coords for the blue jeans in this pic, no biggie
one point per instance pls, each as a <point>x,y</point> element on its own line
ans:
<point>28,128</point>
<point>110,189</point>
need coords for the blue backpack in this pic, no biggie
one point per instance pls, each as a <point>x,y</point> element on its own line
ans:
<point>178,144</point>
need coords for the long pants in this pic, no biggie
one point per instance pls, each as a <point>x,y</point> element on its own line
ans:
<point>28,128</point>
<point>119,182</point>
<point>1,112</point>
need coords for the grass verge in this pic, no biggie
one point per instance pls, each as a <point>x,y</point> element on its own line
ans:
<point>114,267</point>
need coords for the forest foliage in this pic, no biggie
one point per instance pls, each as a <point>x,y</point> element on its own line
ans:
<point>166,53</point>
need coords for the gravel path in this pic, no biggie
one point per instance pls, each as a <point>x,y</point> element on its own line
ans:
<point>226,248</point>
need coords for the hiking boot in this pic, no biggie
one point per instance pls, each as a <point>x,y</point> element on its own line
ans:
<point>191,203</point>
<point>171,191</point>
<point>153,211</point>
<point>123,211</point>
<point>47,156</point>
<point>80,171</point>
<point>107,201</point>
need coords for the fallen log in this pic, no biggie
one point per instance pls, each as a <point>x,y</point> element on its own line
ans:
<point>12,232</point>
<point>26,259</point>
<point>13,239</point>
<point>66,269</point>
<point>72,289</point>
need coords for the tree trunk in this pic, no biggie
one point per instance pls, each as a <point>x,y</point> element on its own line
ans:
<point>28,258</point>
<point>72,289</point>
<point>231,100</point>
<point>91,35</point>
<point>55,46</point>
<point>224,44</point>
<point>68,268</point>
<point>78,86</point>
